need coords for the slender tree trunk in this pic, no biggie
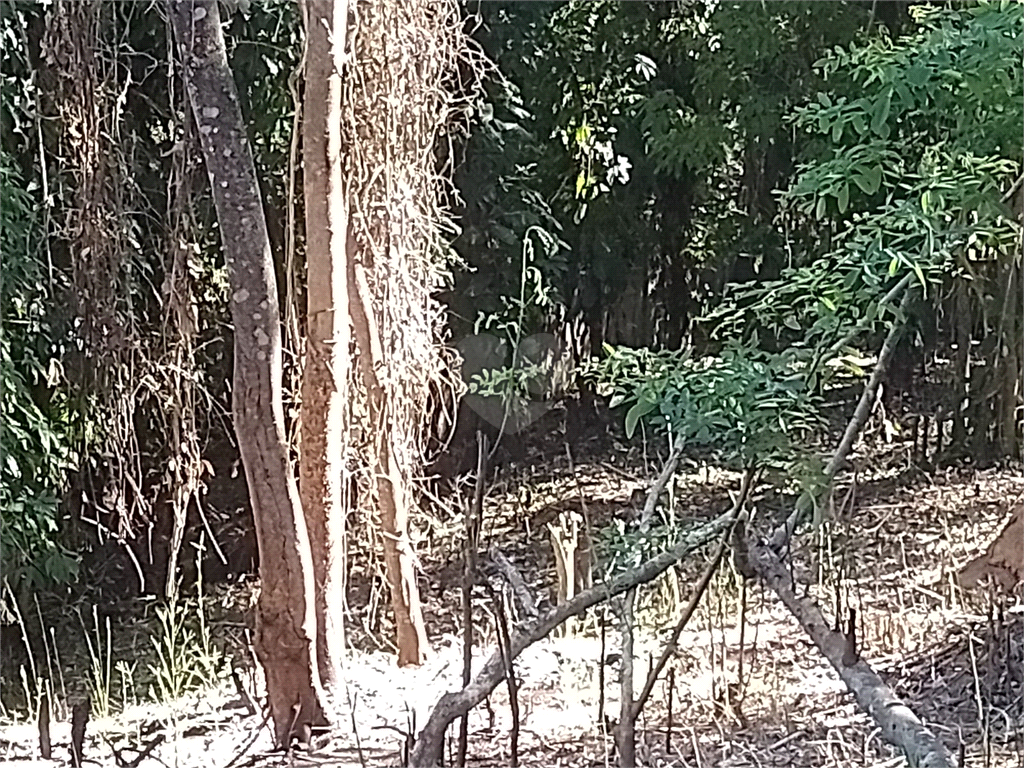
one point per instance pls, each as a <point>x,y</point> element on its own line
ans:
<point>392,498</point>
<point>285,615</point>
<point>325,372</point>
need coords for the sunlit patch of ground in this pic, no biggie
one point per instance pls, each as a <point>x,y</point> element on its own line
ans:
<point>895,543</point>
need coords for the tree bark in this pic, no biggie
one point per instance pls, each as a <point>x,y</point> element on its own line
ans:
<point>285,615</point>
<point>392,496</point>
<point>325,370</point>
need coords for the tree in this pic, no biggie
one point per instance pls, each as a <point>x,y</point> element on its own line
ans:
<point>406,91</point>
<point>325,369</point>
<point>285,614</point>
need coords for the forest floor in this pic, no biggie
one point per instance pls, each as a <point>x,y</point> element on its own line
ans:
<point>896,536</point>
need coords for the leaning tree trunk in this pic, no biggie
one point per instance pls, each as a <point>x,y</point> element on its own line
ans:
<point>404,56</point>
<point>325,371</point>
<point>285,615</point>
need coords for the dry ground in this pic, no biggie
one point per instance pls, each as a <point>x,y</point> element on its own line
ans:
<point>895,538</point>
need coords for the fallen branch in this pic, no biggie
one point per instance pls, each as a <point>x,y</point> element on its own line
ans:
<point>899,725</point>
<point>781,536</point>
<point>428,749</point>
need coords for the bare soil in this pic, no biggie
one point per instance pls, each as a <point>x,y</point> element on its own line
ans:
<point>892,542</point>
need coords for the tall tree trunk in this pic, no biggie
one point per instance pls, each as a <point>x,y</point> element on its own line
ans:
<point>325,372</point>
<point>396,109</point>
<point>285,615</point>
<point>392,497</point>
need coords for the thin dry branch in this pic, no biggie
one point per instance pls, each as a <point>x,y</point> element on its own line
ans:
<point>429,744</point>
<point>698,592</point>
<point>781,536</point>
<point>659,485</point>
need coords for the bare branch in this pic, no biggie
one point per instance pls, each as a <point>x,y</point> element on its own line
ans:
<point>427,752</point>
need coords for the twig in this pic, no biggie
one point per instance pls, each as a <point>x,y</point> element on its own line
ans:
<point>252,740</point>
<point>1012,189</point>
<point>659,485</point>
<point>668,726</point>
<point>600,670</point>
<point>505,644</point>
<point>620,472</point>
<point>453,705</point>
<point>45,749</point>
<point>781,536</point>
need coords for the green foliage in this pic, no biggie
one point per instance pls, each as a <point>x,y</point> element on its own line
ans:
<point>37,433</point>
<point>749,407</point>
<point>901,174</point>
<point>645,137</point>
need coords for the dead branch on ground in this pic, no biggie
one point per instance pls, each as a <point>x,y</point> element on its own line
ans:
<point>428,748</point>
<point>900,726</point>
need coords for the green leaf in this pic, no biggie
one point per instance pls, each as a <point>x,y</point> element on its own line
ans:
<point>869,180</point>
<point>820,211</point>
<point>882,113</point>
<point>637,412</point>
<point>843,197</point>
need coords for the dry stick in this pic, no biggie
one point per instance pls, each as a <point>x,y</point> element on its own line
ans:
<point>659,485</point>
<point>899,725</point>
<point>474,513</point>
<point>698,592</point>
<point>252,739</point>
<point>668,727</point>
<point>782,534</point>
<point>625,731</point>
<point>600,671</point>
<point>427,752</point>
<point>504,643</point>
